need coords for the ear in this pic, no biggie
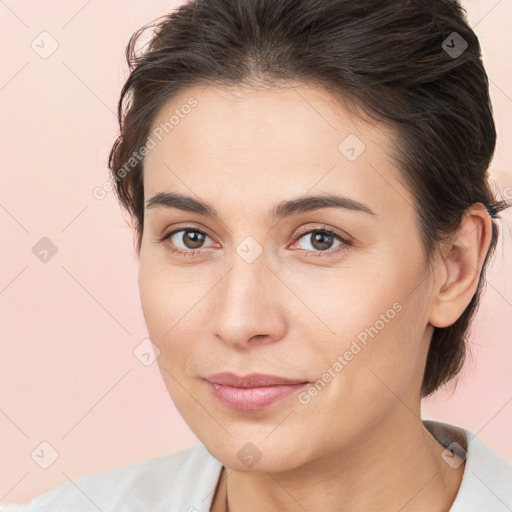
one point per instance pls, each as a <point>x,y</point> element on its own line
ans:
<point>459,265</point>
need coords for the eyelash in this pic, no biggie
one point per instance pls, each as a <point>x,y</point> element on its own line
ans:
<point>323,229</point>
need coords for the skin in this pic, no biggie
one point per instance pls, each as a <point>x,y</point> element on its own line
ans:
<point>359,444</point>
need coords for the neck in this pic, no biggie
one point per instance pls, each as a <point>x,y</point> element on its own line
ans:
<point>396,466</point>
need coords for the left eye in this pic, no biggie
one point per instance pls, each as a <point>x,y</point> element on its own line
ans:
<point>319,240</point>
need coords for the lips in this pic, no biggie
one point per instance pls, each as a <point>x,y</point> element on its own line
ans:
<point>253,392</point>
<point>254,380</point>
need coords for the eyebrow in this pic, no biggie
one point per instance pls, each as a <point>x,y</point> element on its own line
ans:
<point>281,210</point>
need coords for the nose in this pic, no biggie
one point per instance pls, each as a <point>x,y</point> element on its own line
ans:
<point>248,307</point>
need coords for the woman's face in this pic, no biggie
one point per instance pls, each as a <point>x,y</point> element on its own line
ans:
<point>257,294</point>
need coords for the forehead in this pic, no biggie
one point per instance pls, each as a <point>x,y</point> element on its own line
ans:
<point>262,144</point>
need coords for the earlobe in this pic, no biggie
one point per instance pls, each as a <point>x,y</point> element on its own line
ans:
<point>459,266</point>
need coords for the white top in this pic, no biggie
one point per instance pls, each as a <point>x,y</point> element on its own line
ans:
<point>186,481</point>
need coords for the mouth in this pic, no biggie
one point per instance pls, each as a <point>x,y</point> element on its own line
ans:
<point>253,392</point>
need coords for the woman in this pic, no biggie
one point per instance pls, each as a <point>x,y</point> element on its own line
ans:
<point>308,181</point>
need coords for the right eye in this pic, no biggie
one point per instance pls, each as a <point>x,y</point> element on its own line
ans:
<point>191,238</point>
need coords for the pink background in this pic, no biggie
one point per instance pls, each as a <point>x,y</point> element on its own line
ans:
<point>69,326</point>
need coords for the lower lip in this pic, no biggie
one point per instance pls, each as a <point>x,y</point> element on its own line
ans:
<point>253,399</point>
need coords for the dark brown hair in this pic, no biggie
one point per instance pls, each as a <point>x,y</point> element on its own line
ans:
<point>397,59</point>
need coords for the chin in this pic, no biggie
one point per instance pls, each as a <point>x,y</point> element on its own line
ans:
<point>258,455</point>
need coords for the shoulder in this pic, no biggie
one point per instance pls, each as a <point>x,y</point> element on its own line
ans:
<point>487,480</point>
<point>183,480</point>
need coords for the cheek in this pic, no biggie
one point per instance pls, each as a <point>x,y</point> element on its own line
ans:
<point>162,291</point>
<point>390,364</point>
<point>165,314</point>
<point>151,291</point>
<point>174,306</point>
<point>160,304</point>
<point>372,333</point>
<point>360,383</point>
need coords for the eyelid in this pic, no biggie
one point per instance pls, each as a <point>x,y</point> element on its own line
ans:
<point>168,234</point>
<point>323,227</point>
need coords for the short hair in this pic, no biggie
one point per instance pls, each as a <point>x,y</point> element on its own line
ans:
<point>404,62</point>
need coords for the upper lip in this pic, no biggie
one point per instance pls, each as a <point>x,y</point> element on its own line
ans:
<point>251,381</point>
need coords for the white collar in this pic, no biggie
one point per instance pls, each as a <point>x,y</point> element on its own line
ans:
<point>487,481</point>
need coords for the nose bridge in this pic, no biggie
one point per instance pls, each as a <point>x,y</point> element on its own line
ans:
<point>248,273</point>
<point>246,299</point>
<point>244,287</point>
